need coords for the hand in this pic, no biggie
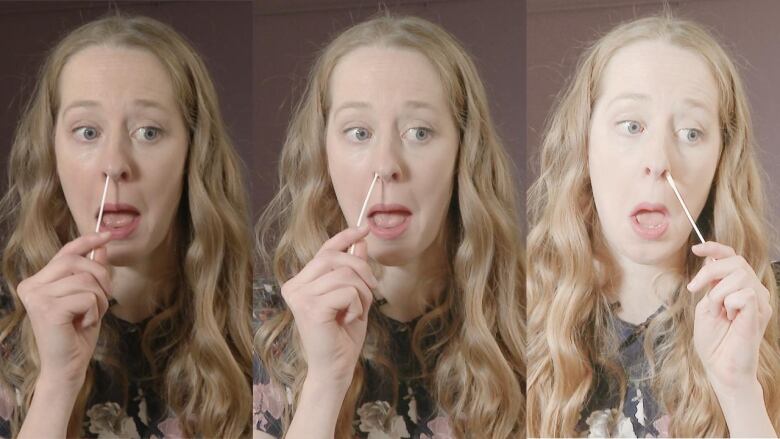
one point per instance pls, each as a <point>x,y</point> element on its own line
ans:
<point>731,319</point>
<point>330,299</point>
<point>65,302</point>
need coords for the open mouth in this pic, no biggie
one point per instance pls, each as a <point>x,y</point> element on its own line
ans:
<point>389,221</point>
<point>119,219</point>
<point>650,221</point>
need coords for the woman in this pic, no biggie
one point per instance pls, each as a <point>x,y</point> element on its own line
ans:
<point>636,330</point>
<point>124,109</point>
<point>395,119</point>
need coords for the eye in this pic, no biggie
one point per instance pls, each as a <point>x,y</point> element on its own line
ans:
<point>631,127</point>
<point>148,134</point>
<point>419,134</point>
<point>358,134</point>
<point>87,133</point>
<point>690,135</point>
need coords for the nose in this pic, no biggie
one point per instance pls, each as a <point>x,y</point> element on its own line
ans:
<point>387,160</point>
<point>116,160</point>
<point>657,158</point>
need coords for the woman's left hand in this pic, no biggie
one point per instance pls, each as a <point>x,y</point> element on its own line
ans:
<point>730,319</point>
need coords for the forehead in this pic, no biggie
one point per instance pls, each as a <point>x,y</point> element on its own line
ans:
<point>661,71</point>
<point>379,73</point>
<point>110,74</point>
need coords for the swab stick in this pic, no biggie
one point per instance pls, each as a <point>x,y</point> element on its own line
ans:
<point>100,215</point>
<point>363,209</point>
<point>682,203</point>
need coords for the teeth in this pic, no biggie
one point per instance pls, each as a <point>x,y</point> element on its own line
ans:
<point>388,220</point>
<point>650,219</point>
<point>117,220</point>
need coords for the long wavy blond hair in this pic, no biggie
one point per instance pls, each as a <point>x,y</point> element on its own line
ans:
<point>199,345</point>
<point>571,271</point>
<point>470,344</point>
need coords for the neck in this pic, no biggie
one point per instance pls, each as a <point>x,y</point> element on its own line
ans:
<point>410,288</point>
<point>644,288</point>
<point>140,288</point>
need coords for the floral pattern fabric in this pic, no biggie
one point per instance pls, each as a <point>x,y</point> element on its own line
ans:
<point>144,415</point>
<point>414,415</point>
<point>641,415</point>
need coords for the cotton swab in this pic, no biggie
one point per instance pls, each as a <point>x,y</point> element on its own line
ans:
<point>363,209</point>
<point>685,208</point>
<point>100,214</point>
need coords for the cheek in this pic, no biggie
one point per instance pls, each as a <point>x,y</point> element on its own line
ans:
<point>347,182</point>
<point>607,178</point>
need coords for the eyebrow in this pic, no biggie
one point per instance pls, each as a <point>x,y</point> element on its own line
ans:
<point>696,103</point>
<point>80,104</point>
<point>363,105</point>
<point>142,103</point>
<point>419,104</point>
<point>629,97</point>
<point>146,103</point>
<point>352,105</point>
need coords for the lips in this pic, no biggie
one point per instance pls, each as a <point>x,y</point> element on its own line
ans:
<point>650,220</point>
<point>119,219</point>
<point>388,221</point>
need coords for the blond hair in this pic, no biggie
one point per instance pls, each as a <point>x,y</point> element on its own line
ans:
<point>470,343</point>
<point>569,307</point>
<point>200,351</point>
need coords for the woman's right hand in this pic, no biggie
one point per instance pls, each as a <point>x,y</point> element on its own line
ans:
<point>65,302</point>
<point>330,299</point>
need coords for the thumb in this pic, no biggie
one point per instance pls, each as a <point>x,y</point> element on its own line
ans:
<point>101,256</point>
<point>361,249</point>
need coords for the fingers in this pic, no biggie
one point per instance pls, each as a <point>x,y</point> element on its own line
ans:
<point>734,281</point>
<point>84,244</point>
<point>327,261</point>
<point>346,301</point>
<point>342,240</point>
<point>361,249</point>
<point>57,306</point>
<point>713,249</point>
<point>69,264</point>
<point>339,279</point>
<point>743,303</point>
<point>717,270</point>
<point>78,284</point>
<point>83,308</point>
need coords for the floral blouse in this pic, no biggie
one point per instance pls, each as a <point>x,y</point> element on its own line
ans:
<point>414,416</point>
<point>641,416</point>
<point>144,415</point>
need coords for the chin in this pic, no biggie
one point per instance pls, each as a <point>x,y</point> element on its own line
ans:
<point>122,255</point>
<point>650,252</point>
<point>391,254</point>
<point>390,258</point>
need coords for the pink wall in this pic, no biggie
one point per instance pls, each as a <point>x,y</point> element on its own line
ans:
<point>558,30</point>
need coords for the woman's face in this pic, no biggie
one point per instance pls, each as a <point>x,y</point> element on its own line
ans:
<point>118,116</point>
<point>389,114</point>
<point>657,112</point>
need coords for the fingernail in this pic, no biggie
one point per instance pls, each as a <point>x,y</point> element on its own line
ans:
<point>105,234</point>
<point>691,285</point>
